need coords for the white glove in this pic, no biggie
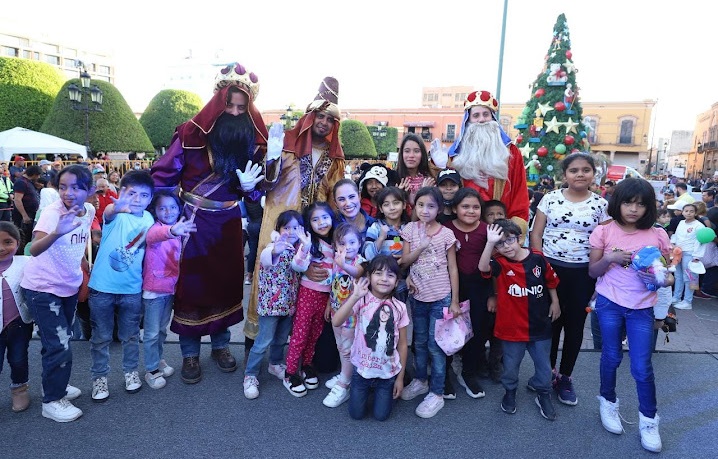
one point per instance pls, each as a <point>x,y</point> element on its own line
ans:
<point>439,154</point>
<point>250,177</point>
<point>275,143</point>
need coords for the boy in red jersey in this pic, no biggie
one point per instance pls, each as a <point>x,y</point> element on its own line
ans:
<point>526,292</point>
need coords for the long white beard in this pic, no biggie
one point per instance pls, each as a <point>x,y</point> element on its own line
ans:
<point>483,154</point>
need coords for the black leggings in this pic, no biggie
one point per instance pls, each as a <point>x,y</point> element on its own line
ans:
<point>575,289</point>
<point>476,289</point>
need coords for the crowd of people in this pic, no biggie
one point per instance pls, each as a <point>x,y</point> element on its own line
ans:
<point>349,268</point>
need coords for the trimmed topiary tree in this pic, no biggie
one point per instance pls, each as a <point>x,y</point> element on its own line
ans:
<point>356,140</point>
<point>385,139</point>
<point>27,91</point>
<point>114,129</point>
<point>167,110</point>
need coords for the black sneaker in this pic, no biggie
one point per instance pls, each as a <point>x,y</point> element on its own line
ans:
<point>543,401</point>
<point>294,385</point>
<point>191,370</point>
<point>472,386</point>
<point>449,391</point>
<point>508,403</point>
<point>311,379</point>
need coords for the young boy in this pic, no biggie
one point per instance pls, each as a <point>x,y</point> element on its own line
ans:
<point>493,210</point>
<point>449,183</point>
<point>526,292</point>
<point>116,282</point>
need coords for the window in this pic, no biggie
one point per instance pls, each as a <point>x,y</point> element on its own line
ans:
<point>626,134</point>
<point>70,53</point>
<point>505,123</point>
<point>426,133</point>
<point>103,69</point>
<point>8,51</point>
<point>26,54</point>
<point>451,132</point>
<point>50,59</point>
<point>590,129</point>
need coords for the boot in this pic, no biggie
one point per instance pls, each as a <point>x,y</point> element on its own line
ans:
<point>20,398</point>
<point>191,370</point>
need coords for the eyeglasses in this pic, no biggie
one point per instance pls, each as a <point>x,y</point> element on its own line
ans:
<point>506,242</point>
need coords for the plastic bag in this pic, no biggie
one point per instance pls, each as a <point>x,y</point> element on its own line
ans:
<point>451,333</point>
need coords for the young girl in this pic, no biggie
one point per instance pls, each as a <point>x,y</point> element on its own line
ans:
<point>312,298</point>
<point>373,180</point>
<point>413,167</point>
<point>470,233</point>
<point>685,238</point>
<point>15,320</point>
<point>59,242</point>
<point>347,267</point>
<point>429,249</point>
<point>379,348</point>
<point>623,303</point>
<point>382,237</point>
<point>159,277</point>
<point>277,300</point>
<point>564,221</point>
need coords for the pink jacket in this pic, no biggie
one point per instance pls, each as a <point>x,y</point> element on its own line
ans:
<point>161,265</point>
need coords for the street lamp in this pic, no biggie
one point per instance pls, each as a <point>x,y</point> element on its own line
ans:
<point>92,94</point>
<point>289,118</point>
<point>649,167</point>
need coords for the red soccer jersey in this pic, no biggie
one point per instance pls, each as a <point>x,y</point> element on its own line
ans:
<point>523,300</point>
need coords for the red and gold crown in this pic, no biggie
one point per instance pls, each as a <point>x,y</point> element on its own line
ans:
<point>236,74</point>
<point>483,98</point>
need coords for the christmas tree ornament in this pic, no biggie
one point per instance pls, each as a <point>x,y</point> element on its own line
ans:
<point>519,138</point>
<point>582,134</point>
<point>542,151</point>
<point>544,108</point>
<point>559,106</point>
<point>570,126</point>
<point>539,93</point>
<point>549,168</point>
<point>568,140</point>
<point>560,149</point>
<point>552,125</point>
<point>570,67</point>
<point>569,54</point>
<point>526,150</point>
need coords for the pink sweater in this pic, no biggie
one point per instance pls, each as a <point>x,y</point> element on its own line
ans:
<point>161,264</point>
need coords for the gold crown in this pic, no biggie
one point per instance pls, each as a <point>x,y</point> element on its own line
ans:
<point>236,74</point>
<point>483,98</point>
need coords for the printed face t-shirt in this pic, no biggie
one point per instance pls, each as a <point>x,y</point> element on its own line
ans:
<point>376,337</point>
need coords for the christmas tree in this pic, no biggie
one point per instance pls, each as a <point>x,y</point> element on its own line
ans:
<point>550,125</point>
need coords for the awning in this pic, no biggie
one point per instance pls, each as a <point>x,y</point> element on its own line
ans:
<point>419,124</point>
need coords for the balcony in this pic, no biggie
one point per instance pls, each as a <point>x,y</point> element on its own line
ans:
<point>447,139</point>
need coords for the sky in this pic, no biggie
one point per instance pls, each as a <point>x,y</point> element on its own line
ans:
<point>384,51</point>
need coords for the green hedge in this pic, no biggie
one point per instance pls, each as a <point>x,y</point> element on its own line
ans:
<point>167,110</point>
<point>356,140</point>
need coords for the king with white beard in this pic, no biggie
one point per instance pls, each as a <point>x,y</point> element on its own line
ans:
<point>487,160</point>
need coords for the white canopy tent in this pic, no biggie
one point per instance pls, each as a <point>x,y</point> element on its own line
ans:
<point>21,141</point>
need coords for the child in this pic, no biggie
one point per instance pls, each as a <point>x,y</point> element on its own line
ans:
<point>663,219</point>
<point>449,183</point>
<point>379,348</point>
<point>524,311</point>
<point>373,180</point>
<point>116,282</point>
<point>312,299</point>
<point>347,267</point>
<point>623,303</point>
<point>429,249</point>
<point>15,321</point>
<point>685,238</point>
<point>493,210</point>
<point>413,168</point>
<point>277,300</point>
<point>60,238</point>
<point>470,234</point>
<point>160,273</point>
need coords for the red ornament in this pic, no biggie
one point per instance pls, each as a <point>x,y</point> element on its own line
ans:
<point>569,140</point>
<point>559,106</point>
<point>569,54</point>
<point>519,138</point>
<point>532,130</point>
<point>542,151</point>
<point>539,93</point>
<point>575,150</point>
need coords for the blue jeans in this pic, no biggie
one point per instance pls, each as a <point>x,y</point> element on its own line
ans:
<point>157,317</point>
<point>189,345</point>
<point>638,324</point>
<point>53,316</point>
<point>273,332</point>
<point>424,317</point>
<point>540,352</point>
<point>15,338</point>
<point>102,317</point>
<point>682,285</point>
<point>359,396</point>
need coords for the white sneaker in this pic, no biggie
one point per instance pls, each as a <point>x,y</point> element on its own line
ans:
<point>683,305</point>
<point>100,393</point>
<point>650,438</point>
<point>330,383</point>
<point>415,388</point>
<point>610,417</point>
<point>336,397</point>
<point>430,406</point>
<point>166,370</point>
<point>251,387</point>
<point>155,380</point>
<point>61,410</point>
<point>277,370</point>
<point>133,383</point>
<point>72,392</point>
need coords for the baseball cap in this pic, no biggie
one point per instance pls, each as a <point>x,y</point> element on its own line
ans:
<point>677,205</point>
<point>449,174</point>
<point>44,162</point>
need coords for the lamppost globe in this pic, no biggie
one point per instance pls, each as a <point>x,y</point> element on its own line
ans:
<point>93,99</point>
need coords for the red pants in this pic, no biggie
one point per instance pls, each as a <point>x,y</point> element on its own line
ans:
<point>308,325</point>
